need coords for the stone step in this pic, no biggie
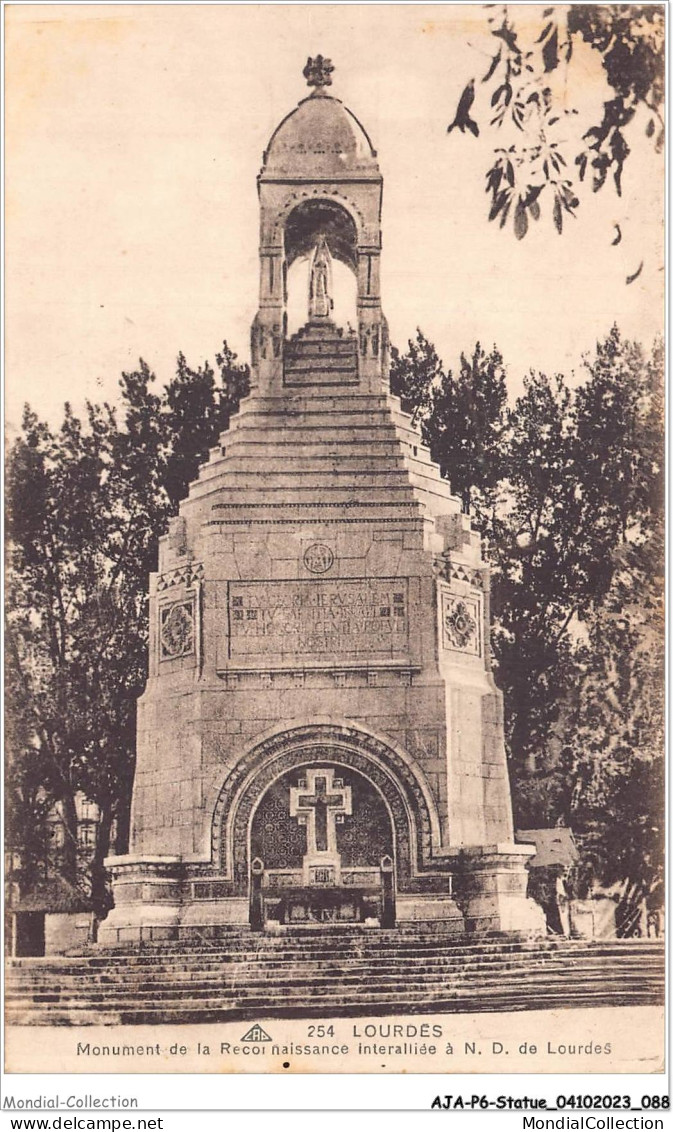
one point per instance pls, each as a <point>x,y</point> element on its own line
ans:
<point>308,422</point>
<point>163,983</point>
<point>335,1007</point>
<point>336,352</point>
<point>320,363</point>
<point>342,436</point>
<point>243,983</point>
<point>399,515</point>
<point>376,503</point>
<point>324,377</point>
<point>332,965</point>
<point>320,403</point>
<point>325,355</point>
<point>328,380</point>
<point>243,445</point>
<point>323,479</point>
<point>244,459</point>
<point>360,470</point>
<point>106,998</point>
<point>312,962</point>
<point>317,399</point>
<point>318,944</point>
<point>242,976</point>
<point>290,416</point>
<point>338,972</point>
<point>331,344</point>
<point>280,998</point>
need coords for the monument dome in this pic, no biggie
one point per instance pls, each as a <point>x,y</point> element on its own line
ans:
<point>321,135</point>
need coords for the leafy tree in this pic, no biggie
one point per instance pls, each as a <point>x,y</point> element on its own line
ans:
<point>569,498</point>
<point>74,604</point>
<point>412,375</point>
<point>527,85</point>
<point>28,796</point>
<point>87,505</point>
<point>463,417</point>
<point>466,429</point>
<point>613,754</point>
<point>543,571</point>
<point>196,410</point>
<point>617,436</point>
<point>612,760</point>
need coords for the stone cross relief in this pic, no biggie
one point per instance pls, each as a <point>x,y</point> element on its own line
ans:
<point>318,802</point>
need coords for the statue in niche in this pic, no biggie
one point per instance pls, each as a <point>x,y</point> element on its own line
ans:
<point>320,302</point>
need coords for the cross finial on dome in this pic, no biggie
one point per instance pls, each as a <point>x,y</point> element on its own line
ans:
<point>318,71</point>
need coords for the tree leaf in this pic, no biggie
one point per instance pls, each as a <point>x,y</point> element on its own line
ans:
<point>499,201</point>
<point>558,215</point>
<point>493,67</point>
<point>520,220</point>
<point>505,211</point>
<point>509,38</point>
<point>550,55</point>
<point>533,193</point>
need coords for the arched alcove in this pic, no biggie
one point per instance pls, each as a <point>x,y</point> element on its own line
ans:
<point>311,219</point>
<point>339,746</point>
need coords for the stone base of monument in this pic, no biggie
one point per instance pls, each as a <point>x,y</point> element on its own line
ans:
<point>155,898</point>
<point>491,890</point>
<point>147,900</point>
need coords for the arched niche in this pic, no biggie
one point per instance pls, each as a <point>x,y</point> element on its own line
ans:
<point>333,745</point>
<point>320,217</point>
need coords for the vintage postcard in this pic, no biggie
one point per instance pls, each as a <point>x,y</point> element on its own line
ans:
<point>334,404</point>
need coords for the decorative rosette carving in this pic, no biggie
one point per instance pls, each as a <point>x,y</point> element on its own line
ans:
<point>176,630</point>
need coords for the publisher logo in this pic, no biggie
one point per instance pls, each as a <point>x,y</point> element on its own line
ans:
<point>256,1034</point>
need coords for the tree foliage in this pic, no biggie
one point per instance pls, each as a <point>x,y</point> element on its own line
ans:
<point>413,375</point>
<point>466,426</point>
<point>522,99</point>
<point>566,487</point>
<point>87,504</point>
<point>462,416</point>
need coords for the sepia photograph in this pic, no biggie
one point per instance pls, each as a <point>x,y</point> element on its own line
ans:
<point>334,606</point>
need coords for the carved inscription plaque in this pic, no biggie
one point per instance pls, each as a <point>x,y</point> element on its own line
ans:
<point>324,619</point>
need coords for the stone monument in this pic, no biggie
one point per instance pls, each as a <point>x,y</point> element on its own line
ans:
<point>320,739</point>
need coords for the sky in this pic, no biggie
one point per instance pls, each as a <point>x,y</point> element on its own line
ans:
<point>134,136</point>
